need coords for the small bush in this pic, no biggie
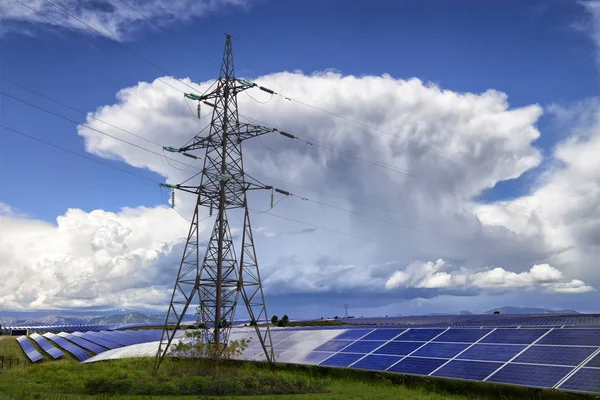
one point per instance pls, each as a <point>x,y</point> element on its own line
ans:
<point>102,385</point>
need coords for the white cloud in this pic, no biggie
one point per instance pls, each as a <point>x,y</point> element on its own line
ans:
<point>113,18</point>
<point>96,259</point>
<point>430,275</point>
<point>489,142</point>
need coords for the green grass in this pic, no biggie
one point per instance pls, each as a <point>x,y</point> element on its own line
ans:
<point>9,347</point>
<point>70,380</point>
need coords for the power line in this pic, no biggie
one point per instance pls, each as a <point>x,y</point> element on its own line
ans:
<point>90,41</point>
<point>273,93</point>
<point>80,111</point>
<point>158,183</point>
<point>119,44</point>
<point>77,154</point>
<point>379,164</point>
<point>254,211</point>
<point>185,44</point>
<point>392,168</point>
<point>87,126</point>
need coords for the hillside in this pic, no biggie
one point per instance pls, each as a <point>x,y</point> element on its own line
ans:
<point>528,310</point>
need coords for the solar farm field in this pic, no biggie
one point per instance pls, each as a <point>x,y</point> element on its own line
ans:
<point>480,353</point>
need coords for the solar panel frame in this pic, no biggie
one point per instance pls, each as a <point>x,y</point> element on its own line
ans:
<point>555,355</point>
<point>69,347</point>
<point>467,370</point>
<point>30,352</point>
<point>85,344</point>
<point>530,375</point>
<point>585,380</point>
<point>46,346</point>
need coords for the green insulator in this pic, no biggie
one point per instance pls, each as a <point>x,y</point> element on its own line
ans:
<point>245,82</point>
<point>193,96</point>
<point>171,149</point>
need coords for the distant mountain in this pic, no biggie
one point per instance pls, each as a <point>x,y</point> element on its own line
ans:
<point>131,318</point>
<point>528,310</point>
<point>463,312</point>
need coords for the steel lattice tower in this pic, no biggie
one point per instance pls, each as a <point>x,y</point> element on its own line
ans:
<point>219,279</point>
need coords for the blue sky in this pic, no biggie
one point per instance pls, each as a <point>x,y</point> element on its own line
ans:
<point>536,52</point>
<point>527,49</point>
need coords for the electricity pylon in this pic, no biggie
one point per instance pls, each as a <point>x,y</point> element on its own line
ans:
<point>219,279</point>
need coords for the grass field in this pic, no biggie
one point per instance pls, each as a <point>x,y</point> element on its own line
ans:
<point>68,379</point>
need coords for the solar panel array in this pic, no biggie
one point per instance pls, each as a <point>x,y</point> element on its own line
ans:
<point>69,347</point>
<point>46,346</point>
<point>557,358</point>
<point>29,350</point>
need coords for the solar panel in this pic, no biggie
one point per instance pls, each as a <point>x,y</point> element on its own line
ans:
<point>89,336</point>
<point>46,346</point>
<point>29,350</point>
<point>469,370</point>
<point>362,346</point>
<point>78,352</point>
<point>94,348</point>
<point>541,376</point>
<point>341,359</point>
<point>399,348</point>
<point>376,362</point>
<point>555,355</point>
<point>462,335</point>
<point>383,334</point>
<point>314,358</point>
<point>440,350</point>
<point>594,362</point>
<point>584,380</point>
<point>423,335</point>
<point>574,337</point>
<point>417,366</point>
<point>353,334</point>
<point>514,336</point>
<point>491,352</point>
<point>333,345</point>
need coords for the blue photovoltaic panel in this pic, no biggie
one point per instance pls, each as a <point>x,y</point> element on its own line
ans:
<point>584,380</point>
<point>76,351</point>
<point>47,346</point>
<point>94,339</point>
<point>462,335</point>
<point>423,335</point>
<point>314,358</point>
<point>377,363</point>
<point>530,375</point>
<point>94,348</point>
<point>514,336</point>
<point>352,334</point>
<point>29,350</point>
<point>362,346</point>
<point>383,334</point>
<point>573,337</point>
<point>491,352</point>
<point>109,337</point>
<point>555,355</point>
<point>440,350</point>
<point>332,345</point>
<point>417,366</point>
<point>469,370</point>
<point>399,348</point>
<point>594,362</point>
<point>341,360</point>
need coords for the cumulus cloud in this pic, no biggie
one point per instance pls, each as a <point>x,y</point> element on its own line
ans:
<point>92,260</point>
<point>445,149</point>
<point>431,275</point>
<point>112,18</point>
